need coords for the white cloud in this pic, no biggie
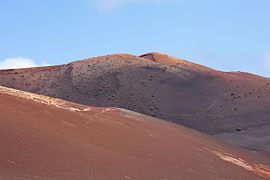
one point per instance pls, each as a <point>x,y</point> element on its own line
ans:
<point>109,5</point>
<point>19,62</point>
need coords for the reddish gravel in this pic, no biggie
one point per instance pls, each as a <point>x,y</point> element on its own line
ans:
<point>50,139</point>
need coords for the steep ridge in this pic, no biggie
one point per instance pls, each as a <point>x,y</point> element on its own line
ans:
<point>232,106</point>
<point>45,140</point>
<point>169,60</point>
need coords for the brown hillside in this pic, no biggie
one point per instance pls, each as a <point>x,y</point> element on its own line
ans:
<point>232,106</point>
<point>45,138</point>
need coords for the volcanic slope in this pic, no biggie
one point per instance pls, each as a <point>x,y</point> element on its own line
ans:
<point>233,106</point>
<point>46,138</point>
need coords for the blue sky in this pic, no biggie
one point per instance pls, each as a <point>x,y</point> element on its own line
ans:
<point>228,35</point>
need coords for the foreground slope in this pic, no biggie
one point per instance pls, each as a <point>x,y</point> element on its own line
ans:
<point>232,106</point>
<point>49,138</point>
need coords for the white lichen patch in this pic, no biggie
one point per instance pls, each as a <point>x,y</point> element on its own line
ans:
<point>61,104</point>
<point>257,169</point>
<point>104,110</point>
<point>237,161</point>
<point>131,114</point>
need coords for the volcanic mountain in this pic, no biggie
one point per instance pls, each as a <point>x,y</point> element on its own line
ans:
<point>233,106</point>
<point>47,138</point>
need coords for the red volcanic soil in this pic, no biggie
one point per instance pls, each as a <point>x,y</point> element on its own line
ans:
<point>232,106</point>
<point>44,138</point>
